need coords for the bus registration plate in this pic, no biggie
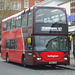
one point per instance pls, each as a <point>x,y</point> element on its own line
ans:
<point>53,62</point>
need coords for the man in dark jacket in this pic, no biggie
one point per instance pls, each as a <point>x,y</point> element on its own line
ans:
<point>74,57</point>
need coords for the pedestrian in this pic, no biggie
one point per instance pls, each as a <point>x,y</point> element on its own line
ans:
<point>74,57</point>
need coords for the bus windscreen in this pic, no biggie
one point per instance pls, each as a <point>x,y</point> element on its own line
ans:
<point>50,43</point>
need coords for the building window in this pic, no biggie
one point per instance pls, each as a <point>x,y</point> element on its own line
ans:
<point>1,5</point>
<point>16,5</point>
<point>37,2</point>
<point>19,6</point>
<point>26,4</point>
<point>73,22</point>
<point>8,5</point>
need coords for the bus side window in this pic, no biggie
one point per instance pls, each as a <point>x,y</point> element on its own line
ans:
<point>13,44</point>
<point>24,20</point>
<point>4,26</point>
<point>4,44</point>
<point>30,18</point>
<point>13,24</point>
<point>18,22</point>
<point>8,24</point>
<point>7,44</point>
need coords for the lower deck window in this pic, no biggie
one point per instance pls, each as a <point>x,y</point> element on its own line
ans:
<point>11,44</point>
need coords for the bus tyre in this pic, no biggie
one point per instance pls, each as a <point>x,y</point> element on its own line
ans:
<point>23,62</point>
<point>7,58</point>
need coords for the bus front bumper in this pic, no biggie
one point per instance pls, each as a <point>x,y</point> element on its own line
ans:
<point>51,63</point>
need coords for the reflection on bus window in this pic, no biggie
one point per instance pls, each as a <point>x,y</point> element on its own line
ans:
<point>8,24</point>
<point>11,44</point>
<point>55,44</point>
<point>13,24</point>
<point>61,43</point>
<point>8,44</point>
<point>18,22</point>
<point>50,16</point>
<point>48,43</point>
<point>4,26</point>
<point>65,43</point>
<point>24,20</point>
<point>30,18</point>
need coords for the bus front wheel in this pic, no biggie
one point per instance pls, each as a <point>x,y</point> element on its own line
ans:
<point>7,58</point>
<point>23,62</point>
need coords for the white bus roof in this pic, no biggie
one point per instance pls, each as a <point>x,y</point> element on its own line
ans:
<point>15,15</point>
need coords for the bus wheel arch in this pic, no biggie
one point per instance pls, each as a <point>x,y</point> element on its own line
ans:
<point>7,57</point>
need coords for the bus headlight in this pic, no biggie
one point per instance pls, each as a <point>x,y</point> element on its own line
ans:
<point>38,58</point>
<point>65,58</point>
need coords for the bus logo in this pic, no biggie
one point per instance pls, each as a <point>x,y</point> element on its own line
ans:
<point>52,56</point>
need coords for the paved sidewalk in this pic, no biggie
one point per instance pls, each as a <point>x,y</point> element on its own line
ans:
<point>72,62</point>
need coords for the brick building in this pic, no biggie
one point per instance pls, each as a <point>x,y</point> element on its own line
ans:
<point>72,6</point>
<point>29,3</point>
<point>10,7</point>
<point>72,3</point>
<point>72,9</point>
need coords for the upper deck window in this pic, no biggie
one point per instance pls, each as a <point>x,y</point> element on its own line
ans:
<point>4,26</point>
<point>50,20</point>
<point>13,24</point>
<point>24,20</point>
<point>50,16</point>
<point>30,18</point>
<point>8,24</point>
<point>18,22</point>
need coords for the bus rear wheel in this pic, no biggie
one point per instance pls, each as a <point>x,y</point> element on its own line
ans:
<point>7,58</point>
<point>23,62</point>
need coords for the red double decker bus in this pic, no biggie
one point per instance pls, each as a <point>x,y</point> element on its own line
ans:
<point>36,36</point>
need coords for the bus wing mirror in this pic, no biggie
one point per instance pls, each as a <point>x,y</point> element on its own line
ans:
<point>71,38</point>
<point>29,40</point>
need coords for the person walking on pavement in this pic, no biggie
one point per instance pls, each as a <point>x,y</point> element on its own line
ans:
<point>74,57</point>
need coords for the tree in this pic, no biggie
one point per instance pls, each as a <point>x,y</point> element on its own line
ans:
<point>8,8</point>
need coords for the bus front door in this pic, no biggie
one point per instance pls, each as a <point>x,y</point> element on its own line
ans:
<point>28,52</point>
